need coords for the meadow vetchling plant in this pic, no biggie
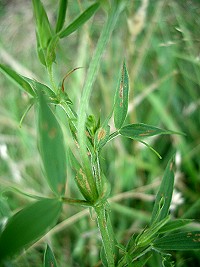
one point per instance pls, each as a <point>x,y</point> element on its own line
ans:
<point>32,222</point>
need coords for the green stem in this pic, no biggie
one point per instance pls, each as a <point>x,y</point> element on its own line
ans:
<point>50,72</point>
<point>87,89</point>
<point>106,233</point>
<point>113,135</point>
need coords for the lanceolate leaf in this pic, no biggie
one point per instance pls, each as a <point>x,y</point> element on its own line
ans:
<point>61,14</point>
<point>77,23</point>
<point>51,147</point>
<point>174,225</point>
<point>28,225</point>
<point>43,30</point>
<point>43,27</point>
<point>164,196</point>
<point>179,241</point>
<point>141,130</point>
<point>18,79</point>
<point>49,259</point>
<point>121,99</point>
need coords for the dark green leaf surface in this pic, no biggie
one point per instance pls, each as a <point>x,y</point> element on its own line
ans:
<point>141,262</point>
<point>179,241</point>
<point>164,195</point>
<point>49,259</point>
<point>28,225</point>
<point>61,14</point>
<point>51,147</point>
<point>121,99</point>
<point>174,225</point>
<point>77,23</point>
<point>141,130</point>
<point>18,79</point>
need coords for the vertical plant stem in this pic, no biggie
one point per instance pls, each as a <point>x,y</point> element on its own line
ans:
<point>87,89</point>
<point>106,233</point>
<point>50,73</point>
<point>103,221</point>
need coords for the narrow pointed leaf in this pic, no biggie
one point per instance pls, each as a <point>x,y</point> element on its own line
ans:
<point>28,225</point>
<point>164,195</point>
<point>61,14</point>
<point>49,258</point>
<point>179,241</point>
<point>175,225</point>
<point>43,27</point>
<point>43,30</point>
<point>77,23</point>
<point>121,98</point>
<point>18,79</point>
<point>51,147</point>
<point>141,130</point>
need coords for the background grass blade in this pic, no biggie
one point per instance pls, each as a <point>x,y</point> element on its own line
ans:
<point>49,258</point>
<point>179,241</point>
<point>28,225</point>
<point>19,80</point>
<point>141,130</point>
<point>51,147</point>
<point>164,195</point>
<point>77,23</point>
<point>121,98</point>
<point>61,14</point>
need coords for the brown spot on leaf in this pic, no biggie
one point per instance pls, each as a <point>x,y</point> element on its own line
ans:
<point>189,234</point>
<point>101,134</point>
<point>52,133</point>
<point>171,166</point>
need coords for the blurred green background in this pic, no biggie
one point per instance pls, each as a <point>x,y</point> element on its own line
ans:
<point>160,41</point>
